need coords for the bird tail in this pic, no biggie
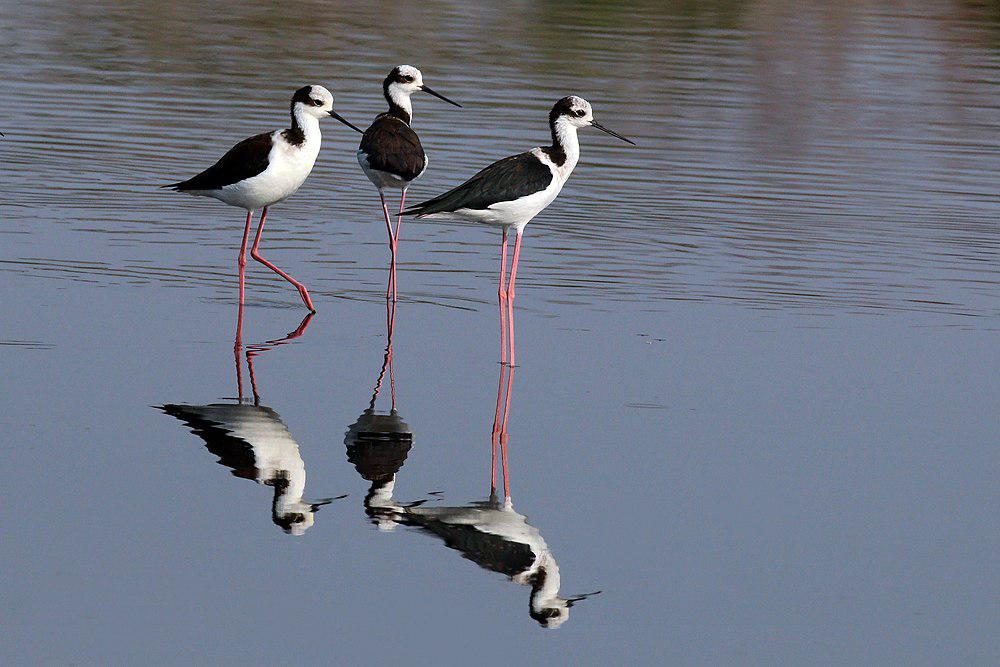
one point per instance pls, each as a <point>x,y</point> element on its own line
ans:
<point>416,209</point>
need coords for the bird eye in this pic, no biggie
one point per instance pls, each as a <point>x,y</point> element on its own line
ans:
<point>579,112</point>
<point>407,79</point>
<point>317,103</point>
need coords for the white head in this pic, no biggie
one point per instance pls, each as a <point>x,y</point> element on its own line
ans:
<point>315,102</point>
<point>576,112</point>
<point>403,81</point>
<point>290,512</point>
<point>294,519</point>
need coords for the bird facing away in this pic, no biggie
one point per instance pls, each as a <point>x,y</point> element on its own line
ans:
<point>390,153</point>
<point>512,191</point>
<point>268,168</point>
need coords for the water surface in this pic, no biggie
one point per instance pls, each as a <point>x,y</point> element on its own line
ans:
<point>756,405</point>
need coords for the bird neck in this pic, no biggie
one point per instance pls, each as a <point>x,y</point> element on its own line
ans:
<point>545,583</point>
<point>305,127</point>
<point>399,102</point>
<point>565,149</point>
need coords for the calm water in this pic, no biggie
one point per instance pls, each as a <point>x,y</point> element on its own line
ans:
<point>757,400</point>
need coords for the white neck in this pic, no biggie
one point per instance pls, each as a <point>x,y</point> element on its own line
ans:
<point>308,123</point>
<point>548,594</point>
<point>401,98</point>
<point>564,136</point>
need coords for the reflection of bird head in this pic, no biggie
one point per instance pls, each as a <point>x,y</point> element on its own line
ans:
<point>546,607</point>
<point>294,522</point>
<point>290,512</point>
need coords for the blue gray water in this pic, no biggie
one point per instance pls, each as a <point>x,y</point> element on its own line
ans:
<point>757,400</point>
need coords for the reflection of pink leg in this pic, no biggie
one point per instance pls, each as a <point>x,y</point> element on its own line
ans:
<point>503,434</point>
<point>257,348</point>
<point>502,298</point>
<point>510,296</point>
<point>238,349</point>
<point>495,438</point>
<point>303,292</point>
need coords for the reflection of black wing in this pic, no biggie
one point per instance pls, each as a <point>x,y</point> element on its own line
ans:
<point>505,180</point>
<point>488,551</point>
<point>377,445</point>
<point>233,452</point>
<point>390,145</point>
<point>244,160</point>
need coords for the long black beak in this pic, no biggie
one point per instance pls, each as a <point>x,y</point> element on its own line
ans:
<point>343,120</point>
<point>314,506</point>
<point>580,598</point>
<point>611,132</point>
<point>439,96</point>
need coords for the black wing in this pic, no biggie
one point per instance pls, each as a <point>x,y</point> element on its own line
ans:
<point>392,146</point>
<point>488,551</point>
<point>244,160</point>
<point>233,452</point>
<point>505,180</point>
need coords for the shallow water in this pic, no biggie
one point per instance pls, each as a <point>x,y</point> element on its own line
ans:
<point>756,405</point>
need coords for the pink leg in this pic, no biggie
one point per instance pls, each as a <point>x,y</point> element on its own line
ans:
<point>399,218</point>
<point>390,291</point>
<point>510,296</point>
<point>502,299</point>
<point>242,261</point>
<point>303,292</point>
<point>238,344</point>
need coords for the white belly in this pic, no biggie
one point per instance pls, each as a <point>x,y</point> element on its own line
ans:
<point>515,213</point>
<point>287,169</point>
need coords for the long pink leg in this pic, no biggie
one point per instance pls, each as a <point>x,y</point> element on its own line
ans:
<point>399,218</point>
<point>502,298</point>
<point>241,262</point>
<point>395,241</point>
<point>510,296</point>
<point>303,292</point>
<point>391,289</point>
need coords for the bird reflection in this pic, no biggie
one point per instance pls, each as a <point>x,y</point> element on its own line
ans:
<point>378,442</point>
<point>489,533</point>
<point>253,441</point>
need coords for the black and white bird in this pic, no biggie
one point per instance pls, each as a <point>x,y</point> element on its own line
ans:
<point>254,443</point>
<point>390,153</point>
<point>512,191</point>
<point>492,535</point>
<point>266,169</point>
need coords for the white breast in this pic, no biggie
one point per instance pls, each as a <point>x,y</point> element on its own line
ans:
<point>287,169</point>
